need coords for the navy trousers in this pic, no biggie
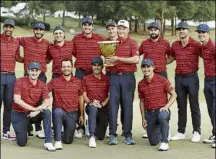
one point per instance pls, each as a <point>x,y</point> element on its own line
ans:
<point>20,122</point>
<point>210,96</point>
<point>157,126</point>
<point>122,86</point>
<point>188,86</point>
<point>97,120</point>
<point>66,119</point>
<point>163,73</point>
<point>42,77</point>
<point>7,94</point>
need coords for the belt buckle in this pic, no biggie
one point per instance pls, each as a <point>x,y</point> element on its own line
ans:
<point>119,73</point>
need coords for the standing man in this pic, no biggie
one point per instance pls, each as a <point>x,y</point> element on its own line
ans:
<point>154,104</point>
<point>58,51</point>
<point>111,28</point>
<point>209,59</point>
<point>96,95</point>
<point>85,48</point>
<point>35,49</point>
<point>68,97</point>
<point>123,82</point>
<point>185,52</point>
<point>9,56</point>
<point>156,48</point>
<point>27,92</point>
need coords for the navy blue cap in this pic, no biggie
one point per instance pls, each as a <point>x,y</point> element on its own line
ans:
<point>59,27</point>
<point>34,65</point>
<point>98,60</point>
<point>203,27</point>
<point>39,25</point>
<point>147,62</point>
<point>111,23</point>
<point>154,25</point>
<point>182,25</point>
<point>87,20</point>
<point>9,22</point>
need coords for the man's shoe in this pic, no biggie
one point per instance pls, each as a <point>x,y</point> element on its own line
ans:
<point>58,145</point>
<point>49,147</point>
<point>113,140</point>
<point>129,141</point>
<point>9,136</point>
<point>145,136</point>
<point>210,140</point>
<point>30,133</point>
<point>92,142</point>
<point>195,137</point>
<point>213,145</point>
<point>78,133</point>
<point>164,146</point>
<point>178,136</point>
<point>40,134</point>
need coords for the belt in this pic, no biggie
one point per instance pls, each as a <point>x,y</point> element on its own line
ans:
<point>187,74</point>
<point>121,73</point>
<point>152,111</point>
<point>211,78</point>
<point>8,73</point>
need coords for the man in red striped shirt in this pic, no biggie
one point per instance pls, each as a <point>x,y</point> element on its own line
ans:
<point>156,48</point>
<point>9,56</point>
<point>68,93</point>
<point>154,104</point>
<point>27,93</point>
<point>209,58</point>
<point>96,95</point>
<point>58,51</point>
<point>85,48</point>
<point>185,52</point>
<point>122,82</point>
<point>35,49</point>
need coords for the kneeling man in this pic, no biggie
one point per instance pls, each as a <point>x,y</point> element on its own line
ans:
<point>27,93</point>
<point>96,95</point>
<point>67,91</point>
<point>154,104</point>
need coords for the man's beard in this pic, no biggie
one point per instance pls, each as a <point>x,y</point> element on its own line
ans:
<point>7,34</point>
<point>67,74</point>
<point>41,35</point>
<point>154,36</point>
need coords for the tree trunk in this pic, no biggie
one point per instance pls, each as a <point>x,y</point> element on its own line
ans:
<point>79,19</point>
<point>175,24</point>
<point>172,25</point>
<point>164,26</point>
<point>63,18</point>
<point>44,17</point>
<point>135,26</point>
<point>144,26</point>
<point>130,24</point>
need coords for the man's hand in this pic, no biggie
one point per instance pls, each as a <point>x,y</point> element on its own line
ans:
<point>164,109</point>
<point>81,120</point>
<point>33,114</point>
<point>112,59</point>
<point>40,108</point>
<point>96,103</point>
<point>144,124</point>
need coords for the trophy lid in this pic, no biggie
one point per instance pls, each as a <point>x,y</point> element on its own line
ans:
<point>107,42</point>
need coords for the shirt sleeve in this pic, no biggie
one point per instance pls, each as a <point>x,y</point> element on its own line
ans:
<point>168,50</point>
<point>140,93</point>
<point>74,47</point>
<point>80,88</point>
<point>45,93</point>
<point>134,50</point>
<point>21,40</point>
<point>84,85</point>
<point>17,87</point>
<point>172,52</point>
<point>141,49</point>
<point>50,86</point>
<point>48,55</point>
<point>167,86</point>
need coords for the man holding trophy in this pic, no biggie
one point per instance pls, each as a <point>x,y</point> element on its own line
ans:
<point>122,80</point>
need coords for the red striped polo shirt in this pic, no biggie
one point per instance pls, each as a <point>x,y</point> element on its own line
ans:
<point>34,51</point>
<point>187,57</point>
<point>157,51</point>
<point>30,93</point>
<point>154,93</point>
<point>9,48</point>
<point>58,53</point>
<point>85,49</point>
<point>126,48</point>
<point>209,58</point>
<point>96,88</point>
<point>66,93</point>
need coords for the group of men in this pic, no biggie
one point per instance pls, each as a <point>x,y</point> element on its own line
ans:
<point>99,94</point>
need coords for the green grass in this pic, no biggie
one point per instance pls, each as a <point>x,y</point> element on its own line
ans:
<point>139,37</point>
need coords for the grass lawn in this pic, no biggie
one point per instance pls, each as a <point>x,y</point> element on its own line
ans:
<point>139,37</point>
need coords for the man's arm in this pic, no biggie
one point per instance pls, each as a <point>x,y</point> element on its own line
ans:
<point>142,111</point>
<point>104,103</point>
<point>86,99</point>
<point>19,101</point>
<point>170,59</point>
<point>113,59</point>
<point>171,100</point>
<point>81,106</point>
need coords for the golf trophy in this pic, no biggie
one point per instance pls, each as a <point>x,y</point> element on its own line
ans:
<point>108,49</point>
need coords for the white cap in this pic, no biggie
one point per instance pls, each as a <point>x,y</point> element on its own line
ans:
<point>124,23</point>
